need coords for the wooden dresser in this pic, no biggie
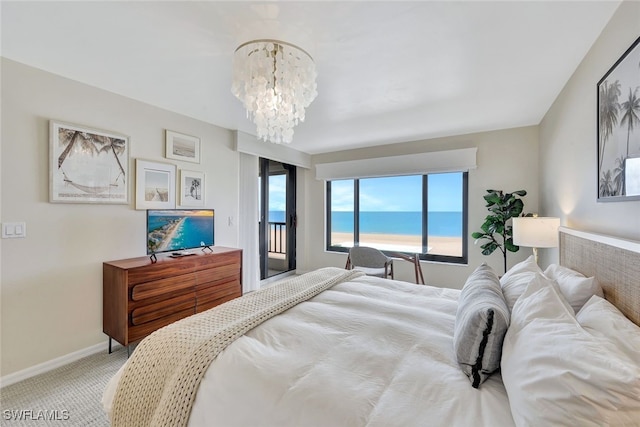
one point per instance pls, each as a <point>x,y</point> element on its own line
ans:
<point>140,296</point>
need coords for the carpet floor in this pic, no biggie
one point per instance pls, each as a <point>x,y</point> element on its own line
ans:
<point>66,396</point>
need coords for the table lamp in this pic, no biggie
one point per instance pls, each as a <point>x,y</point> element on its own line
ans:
<point>536,232</point>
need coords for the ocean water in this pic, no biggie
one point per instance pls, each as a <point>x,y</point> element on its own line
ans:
<point>443,224</point>
<point>194,230</point>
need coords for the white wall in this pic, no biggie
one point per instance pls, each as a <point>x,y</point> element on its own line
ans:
<point>568,141</point>
<point>51,281</point>
<point>507,160</point>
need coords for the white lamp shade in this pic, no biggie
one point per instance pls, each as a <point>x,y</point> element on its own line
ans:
<point>536,232</point>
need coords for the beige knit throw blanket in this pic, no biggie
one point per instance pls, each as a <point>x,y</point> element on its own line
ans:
<point>160,381</point>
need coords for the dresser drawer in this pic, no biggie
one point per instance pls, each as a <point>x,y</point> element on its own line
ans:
<point>161,270</point>
<point>230,258</point>
<point>136,333</point>
<point>206,303</point>
<point>217,274</point>
<point>156,311</point>
<point>208,297</point>
<point>170,286</point>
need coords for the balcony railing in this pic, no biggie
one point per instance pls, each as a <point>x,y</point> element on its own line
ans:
<point>278,237</point>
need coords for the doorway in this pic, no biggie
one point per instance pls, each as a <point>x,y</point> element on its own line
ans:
<point>277,228</point>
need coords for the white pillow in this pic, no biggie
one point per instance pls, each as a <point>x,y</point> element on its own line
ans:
<point>575,287</point>
<point>603,320</point>
<point>516,279</point>
<point>556,373</point>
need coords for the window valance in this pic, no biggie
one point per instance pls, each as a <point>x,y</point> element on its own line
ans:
<point>249,144</point>
<point>459,160</point>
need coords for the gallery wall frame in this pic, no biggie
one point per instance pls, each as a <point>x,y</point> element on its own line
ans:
<point>155,185</point>
<point>182,147</point>
<point>192,188</point>
<point>618,134</point>
<point>87,165</point>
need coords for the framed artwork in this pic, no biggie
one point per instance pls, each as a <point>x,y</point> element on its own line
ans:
<point>87,165</point>
<point>155,185</point>
<point>619,129</point>
<point>182,147</point>
<point>191,188</point>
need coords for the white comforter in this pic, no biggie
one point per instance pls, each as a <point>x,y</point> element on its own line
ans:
<point>369,352</point>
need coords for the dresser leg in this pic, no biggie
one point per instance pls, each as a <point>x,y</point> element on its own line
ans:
<point>109,345</point>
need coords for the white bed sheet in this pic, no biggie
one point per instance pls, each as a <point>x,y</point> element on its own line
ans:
<point>370,352</point>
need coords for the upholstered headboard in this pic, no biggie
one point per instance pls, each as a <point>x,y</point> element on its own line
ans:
<point>614,262</point>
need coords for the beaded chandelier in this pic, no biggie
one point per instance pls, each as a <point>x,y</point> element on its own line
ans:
<point>275,81</point>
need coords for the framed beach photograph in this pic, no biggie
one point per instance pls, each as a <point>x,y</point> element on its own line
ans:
<point>619,129</point>
<point>191,188</point>
<point>87,165</point>
<point>155,185</point>
<point>182,147</point>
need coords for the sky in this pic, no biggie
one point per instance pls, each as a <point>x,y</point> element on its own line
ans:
<point>400,194</point>
<point>277,192</point>
<point>392,194</point>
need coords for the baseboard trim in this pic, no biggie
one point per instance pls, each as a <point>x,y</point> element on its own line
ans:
<point>53,364</point>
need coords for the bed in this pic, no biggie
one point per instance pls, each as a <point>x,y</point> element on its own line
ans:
<point>358,350</point>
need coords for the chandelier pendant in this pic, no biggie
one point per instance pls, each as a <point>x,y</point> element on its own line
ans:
<point>276,82</point>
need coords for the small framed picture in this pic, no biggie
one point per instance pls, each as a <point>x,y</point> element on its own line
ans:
<point>87,165</point>
<point>155,185</point>
<point>191,188</point>
<point>182,147</point>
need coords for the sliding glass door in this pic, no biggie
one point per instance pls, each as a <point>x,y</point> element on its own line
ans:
<point>277,218</point>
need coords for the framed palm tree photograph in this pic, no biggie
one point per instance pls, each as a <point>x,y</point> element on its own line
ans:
<point>191,188</point>
<point>619,129</point>
<point>87,165</point>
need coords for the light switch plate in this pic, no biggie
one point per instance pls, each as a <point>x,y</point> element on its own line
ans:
<point>14,230</point>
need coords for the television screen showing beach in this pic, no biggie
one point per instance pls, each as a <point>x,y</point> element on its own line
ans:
<point>172,230</point>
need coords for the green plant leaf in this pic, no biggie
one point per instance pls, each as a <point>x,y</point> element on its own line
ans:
<point>510,246</point>
<point>502,207</point>
<point>492,199</point>
<point>489,248</point>
<point>516,208</point>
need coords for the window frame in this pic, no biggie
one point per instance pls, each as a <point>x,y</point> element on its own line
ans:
<point>425,222</point>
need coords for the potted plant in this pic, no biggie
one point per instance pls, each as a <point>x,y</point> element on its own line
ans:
<point>503,207</point>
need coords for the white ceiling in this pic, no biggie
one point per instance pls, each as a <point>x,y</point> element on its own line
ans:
<point>388,71</point>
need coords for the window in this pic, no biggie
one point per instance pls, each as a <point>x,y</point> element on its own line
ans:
<point>424,214</point>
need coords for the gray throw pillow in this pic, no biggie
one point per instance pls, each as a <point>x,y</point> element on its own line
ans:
<point>482,320</point>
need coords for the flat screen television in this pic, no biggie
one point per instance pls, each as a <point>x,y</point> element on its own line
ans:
<point>170,230</point>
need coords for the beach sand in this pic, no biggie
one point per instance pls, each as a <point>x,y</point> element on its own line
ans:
<point>171,233</point>
<point>451,246</point>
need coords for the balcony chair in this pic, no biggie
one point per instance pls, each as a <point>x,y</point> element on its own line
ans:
<point>370,261</point>
<point>415,260</point>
